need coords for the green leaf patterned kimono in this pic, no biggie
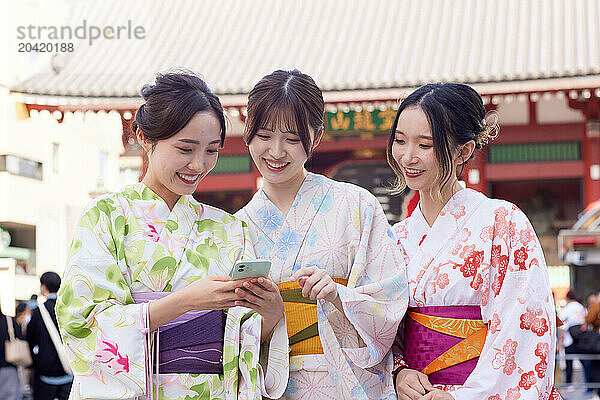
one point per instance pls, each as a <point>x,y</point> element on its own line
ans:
<point>130,242</point>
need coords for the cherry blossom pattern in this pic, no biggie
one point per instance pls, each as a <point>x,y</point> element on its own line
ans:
<point>542,350</point>
<point>533,320</point>
<point>465,234</point>
<point>470,268</point>
<point>494,324</point>
<point>505,358</point>
<point>400,231</point>
<point>458,211</point>
<point>520,258</point>
<point>527,380</point>
<point>500,262</point>
<point>513,393</point>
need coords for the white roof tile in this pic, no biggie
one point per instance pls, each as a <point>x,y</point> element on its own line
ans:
<point>343,44</point>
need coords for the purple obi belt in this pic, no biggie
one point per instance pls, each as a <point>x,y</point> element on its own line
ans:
<point>191,343</point>
<point>444,342</point>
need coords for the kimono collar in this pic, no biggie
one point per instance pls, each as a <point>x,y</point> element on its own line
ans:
<point>270,220</point>
<point>144,192</point>
<point>168,231</point>
<point>451,220</point>
<point>456,206</point>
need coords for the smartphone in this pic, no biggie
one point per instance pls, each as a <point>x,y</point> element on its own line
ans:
<point>243,269</point>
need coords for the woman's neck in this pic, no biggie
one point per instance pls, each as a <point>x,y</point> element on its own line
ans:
<point>432,204</point>
<point>168,197</point>
<point>283,194</point>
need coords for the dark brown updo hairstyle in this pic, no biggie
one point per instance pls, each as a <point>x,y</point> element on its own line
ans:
<point>289,100</point>
<point>456,115</point>
<point>172,102</point>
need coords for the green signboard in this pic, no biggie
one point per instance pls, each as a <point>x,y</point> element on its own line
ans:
<point>534,152</point>
<point>232,165</point>
<point>360,121</point>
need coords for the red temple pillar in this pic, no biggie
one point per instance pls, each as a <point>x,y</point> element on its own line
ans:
<point>474,174</point>
<point>127,135</point>
<point>590,146</point>
<point>128,138</point>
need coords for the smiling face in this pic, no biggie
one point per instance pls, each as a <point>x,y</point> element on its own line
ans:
<point>413,149</point>
<point>176,165</point>
<point>279,155</point>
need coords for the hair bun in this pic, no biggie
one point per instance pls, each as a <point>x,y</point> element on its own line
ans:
<point>146,91</point>
<point>489,129</point>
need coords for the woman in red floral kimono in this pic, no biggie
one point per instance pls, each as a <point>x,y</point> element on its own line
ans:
<point>481,323</point>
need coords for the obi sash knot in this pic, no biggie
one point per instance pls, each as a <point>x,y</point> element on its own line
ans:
<point>301,318</point>
<point>191,343</point>
<point>444,342</point>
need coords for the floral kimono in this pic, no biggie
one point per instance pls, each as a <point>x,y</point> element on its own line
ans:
<point>341,228</point>
<point>482,265</point>
<point>128,243</point>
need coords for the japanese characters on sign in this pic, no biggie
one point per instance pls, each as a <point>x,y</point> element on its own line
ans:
<point>360,121</point>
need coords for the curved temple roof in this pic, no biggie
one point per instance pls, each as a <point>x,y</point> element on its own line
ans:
<point>343,44</point>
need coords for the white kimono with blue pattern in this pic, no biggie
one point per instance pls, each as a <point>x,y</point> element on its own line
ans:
<point>341,228</point>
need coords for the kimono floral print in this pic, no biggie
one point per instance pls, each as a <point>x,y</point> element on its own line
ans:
<point>484,252</point>
<point>130,242</point>
<point>340,228</point>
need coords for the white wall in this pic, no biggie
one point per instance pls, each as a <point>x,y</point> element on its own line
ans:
<point>55,203</point>
<point>7,289</point>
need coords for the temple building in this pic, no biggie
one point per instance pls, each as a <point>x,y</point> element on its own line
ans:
<point>536,64</point>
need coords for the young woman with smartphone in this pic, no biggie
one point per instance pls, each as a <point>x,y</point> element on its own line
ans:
<point>140,307</point>
<point>333,255</point>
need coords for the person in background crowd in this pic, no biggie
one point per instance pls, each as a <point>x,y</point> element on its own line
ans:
<point>50,380</point>
<point>10,388</point>
<point>591,368</point>
<point>573,313</point>
<point>593,310</point>
<point>23,315</point>
<point>557,365</point>
<point>32,302</point>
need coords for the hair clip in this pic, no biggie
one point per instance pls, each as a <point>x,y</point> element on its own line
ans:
<point>489,129</point>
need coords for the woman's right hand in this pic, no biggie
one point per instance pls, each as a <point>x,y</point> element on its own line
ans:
<point>412,384</point>
<point>212,293</point>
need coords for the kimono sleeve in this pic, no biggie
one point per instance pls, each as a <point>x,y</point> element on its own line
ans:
<point>376,297</point>
<point>517,360</point>
<point>400,232</point>
<point>101,326</point>
<point>264,366</point>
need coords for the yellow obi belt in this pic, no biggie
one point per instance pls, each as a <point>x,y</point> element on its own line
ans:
<point>301,318</point>
<point>444,342</point>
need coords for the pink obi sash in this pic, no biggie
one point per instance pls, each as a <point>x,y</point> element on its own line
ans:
<point>191,343</point>
<point>444,342</point>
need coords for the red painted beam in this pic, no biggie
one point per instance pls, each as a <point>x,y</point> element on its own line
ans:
<point>514,134</point>
<point>354,143</point>
<point>532,171</point>
<point>234,145</point>
<point>227,183</point>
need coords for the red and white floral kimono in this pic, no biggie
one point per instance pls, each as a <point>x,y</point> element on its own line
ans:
<point>477,279</point>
